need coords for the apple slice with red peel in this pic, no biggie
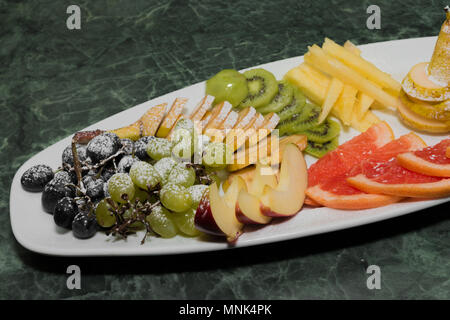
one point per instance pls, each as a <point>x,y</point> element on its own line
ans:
<point>287,198</point>
<point>216,214</point>
<point>248,206</point>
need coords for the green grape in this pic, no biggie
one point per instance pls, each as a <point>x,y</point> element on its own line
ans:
<point>105,218</point>
<point>196,192</point>
<point>158,148</point>
<point>119,185</point>
<point>142,195</point>
<point>183,144</point>
<point>138,225</point>
<point>163,167</point>
<point>228,85</point>
<point>217,155</point>
<point>144,175</point>
<point>186,124</point>
<point>175,197</point>
<point>182,175</point>
<point>185,222</point>
<point>161,221</point>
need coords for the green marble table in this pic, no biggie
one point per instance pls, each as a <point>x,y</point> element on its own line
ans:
<point>55,81</point>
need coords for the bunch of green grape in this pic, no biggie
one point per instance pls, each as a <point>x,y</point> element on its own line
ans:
<point>170,173</point>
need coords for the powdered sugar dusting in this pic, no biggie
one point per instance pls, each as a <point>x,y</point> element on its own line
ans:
<point>164,166</point>
<point>230,121</point>
<point>101,147</point>
<point>197,191</point>
<point>242,123</point>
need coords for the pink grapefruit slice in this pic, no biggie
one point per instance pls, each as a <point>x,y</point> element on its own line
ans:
<point>347,155</point>
<point>352,201</point>
<point>424,189</point>
<point>337,193</point>
<point>431,161</point>
<point>390,178</point>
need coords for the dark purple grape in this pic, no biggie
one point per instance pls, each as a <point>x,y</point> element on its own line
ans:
<point>125,164</point>
<point>102,147</point>
<point>55,190</point>
<point>140,148</point>
<point>115,138</point>
<point>84,226</point>
<point>94,188</point>
<point>128,146</point>
<point>105,190</point>
<point>67,156</point>
<point>35,178</point>
<point>108,171</point>
<point>65,211</point>
<point>63,177</point>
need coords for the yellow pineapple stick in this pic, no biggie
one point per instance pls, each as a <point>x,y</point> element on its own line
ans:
<point>337,69</point>
<point>334,91</point>
<point>363,67</point>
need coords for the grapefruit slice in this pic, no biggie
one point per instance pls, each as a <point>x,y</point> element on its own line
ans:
<point>310,202</point>
<point>426,188</point>
<point>431,161</point>
<point>337,193</point>
<point>347,155</point>
<point>354,201</point>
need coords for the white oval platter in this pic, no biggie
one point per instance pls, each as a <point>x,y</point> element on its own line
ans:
<point>35,230</point>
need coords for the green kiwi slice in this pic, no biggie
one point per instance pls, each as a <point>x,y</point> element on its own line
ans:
<point>307,119</point>
<point>262,88</point>
<point>299,122</point>
<point>284,127</point>
<point>318,150</point>
<point>295,107</point>
<point>282,98</point>
<point>326,131</point>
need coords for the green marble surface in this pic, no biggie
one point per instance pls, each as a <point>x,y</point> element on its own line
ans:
<point>54,81</point>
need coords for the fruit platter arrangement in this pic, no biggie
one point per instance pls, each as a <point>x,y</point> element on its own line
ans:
<point>257,150</point>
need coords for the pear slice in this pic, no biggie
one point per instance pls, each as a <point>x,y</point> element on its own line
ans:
<point>421,123</point>
<point>419,85</point>
<point>171,118</point>
<point>145,126</point>
<point>437,111</point>
<point>439,67</point>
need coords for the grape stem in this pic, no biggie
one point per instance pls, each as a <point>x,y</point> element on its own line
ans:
<point>140,211</point>
<point>76,162</point>
<point>201,173</point>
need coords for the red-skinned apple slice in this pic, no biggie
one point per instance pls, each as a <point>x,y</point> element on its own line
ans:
<point>216,214</point>
<point>248,206</point>
<point>287,198</point>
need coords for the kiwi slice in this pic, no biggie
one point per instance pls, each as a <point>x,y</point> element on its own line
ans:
<point>306,119</point>
<point>299,122</point>
<point>293,108</point>
<point>318,150</point>
<point>284,127</point>
<point>282,98</point>
<point>262,88</point>
<point>326,131</point>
